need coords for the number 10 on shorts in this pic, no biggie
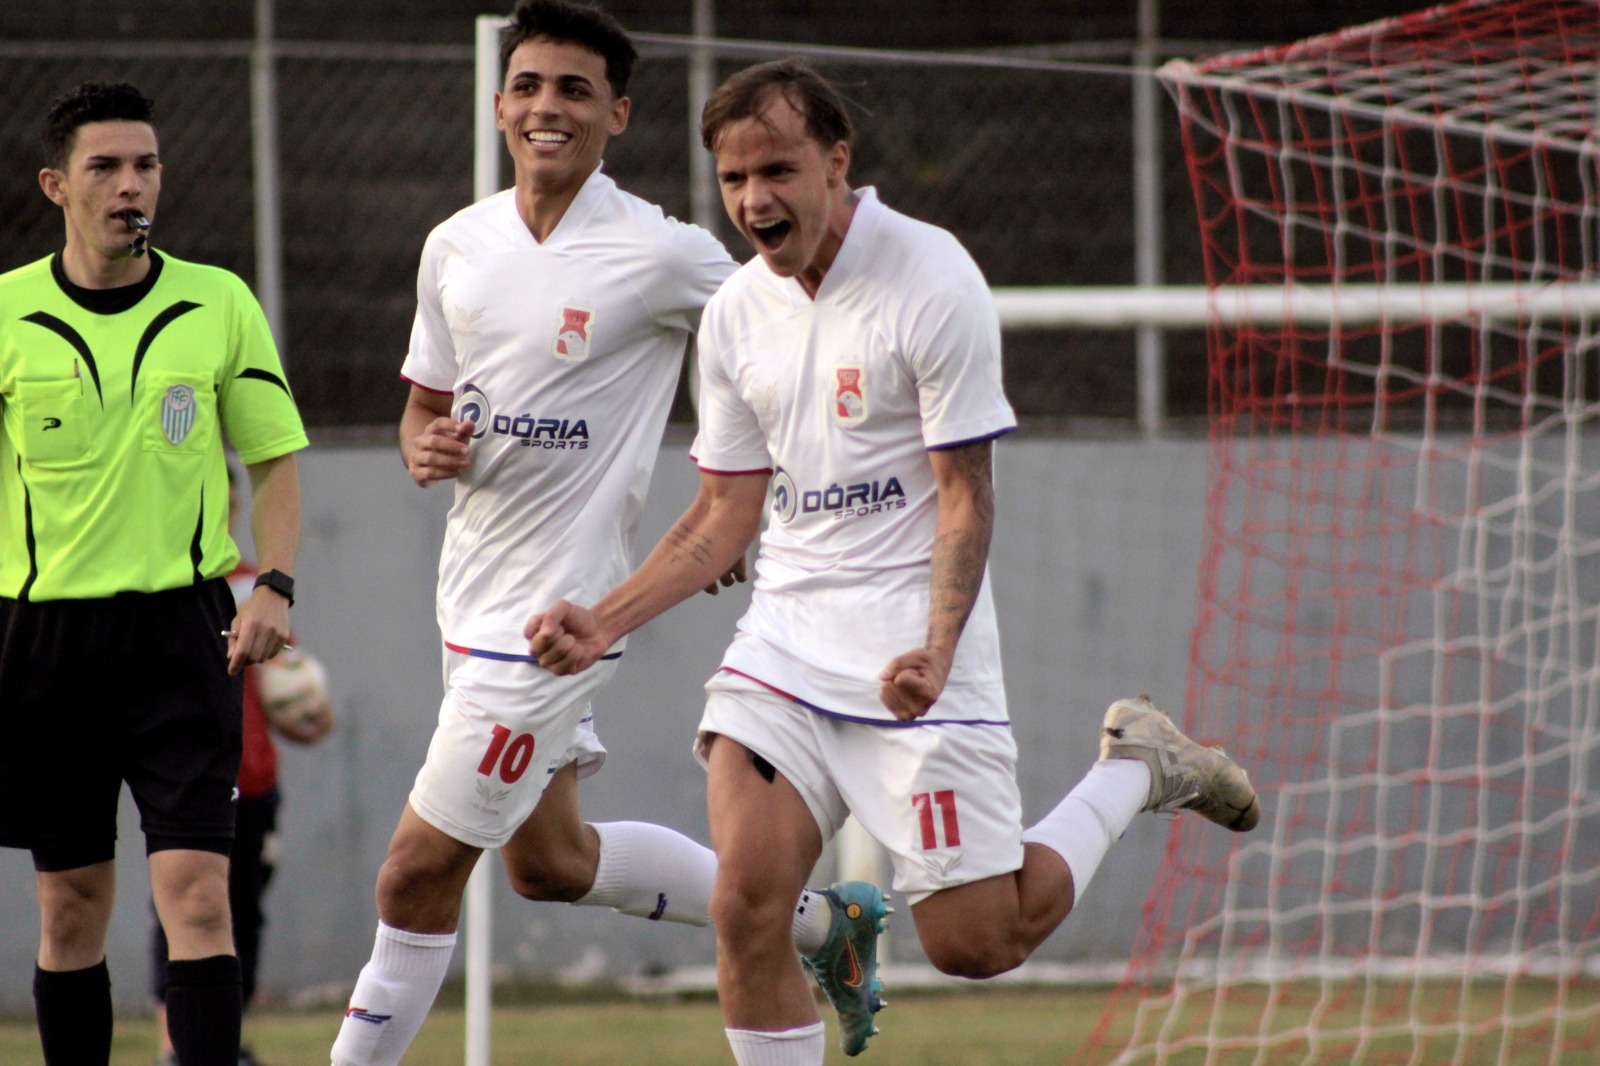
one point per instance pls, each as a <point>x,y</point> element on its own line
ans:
<point>945,800</point>
<point>511,758</point>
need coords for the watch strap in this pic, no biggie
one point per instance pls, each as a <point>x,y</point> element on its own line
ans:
<point>278,582</point>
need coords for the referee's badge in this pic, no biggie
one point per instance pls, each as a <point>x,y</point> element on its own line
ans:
<point>177,413</point>
<point>849,396</point>
<point>572,338</point>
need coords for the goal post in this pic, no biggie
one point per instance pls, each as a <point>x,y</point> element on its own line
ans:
<point>1398,622</point>
<point>479,904</point>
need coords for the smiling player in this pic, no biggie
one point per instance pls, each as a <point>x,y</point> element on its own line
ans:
<point>551,323</point>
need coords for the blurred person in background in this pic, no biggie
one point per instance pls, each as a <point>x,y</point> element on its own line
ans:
<point>121,644</point>
<point>552,320</point>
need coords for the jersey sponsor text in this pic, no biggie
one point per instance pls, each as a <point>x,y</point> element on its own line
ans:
<point>845,501</point>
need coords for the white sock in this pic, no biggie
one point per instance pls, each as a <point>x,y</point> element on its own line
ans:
<point>392,996</point>
<point>813,919</point>
<point>652,872</point>
<point>1093,816</point>
<point>792,1047</point>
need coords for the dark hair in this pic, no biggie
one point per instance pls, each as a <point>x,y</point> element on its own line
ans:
<point>747,94</point>
<point>574,23</point>
<point>93,101</point>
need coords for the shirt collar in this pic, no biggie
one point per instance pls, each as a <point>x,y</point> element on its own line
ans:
<point>857,238</point>
<point>596,187</point>
<point>107,301</point>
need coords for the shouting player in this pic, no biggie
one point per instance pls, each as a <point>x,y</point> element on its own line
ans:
<point>854,365</point>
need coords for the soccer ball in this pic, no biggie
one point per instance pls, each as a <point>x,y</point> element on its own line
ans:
<point>292,685</point>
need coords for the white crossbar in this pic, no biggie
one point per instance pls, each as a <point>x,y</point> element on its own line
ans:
<point>1195,306</point>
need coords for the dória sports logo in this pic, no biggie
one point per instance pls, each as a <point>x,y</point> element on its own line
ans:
<point>844,501</point>
<point>472,405</point>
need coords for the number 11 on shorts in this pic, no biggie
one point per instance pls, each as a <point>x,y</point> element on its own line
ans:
<point>945,800</point>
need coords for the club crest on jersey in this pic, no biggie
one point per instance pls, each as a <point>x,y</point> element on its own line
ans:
<point>849,396</point>
<point>177,413</point>
<point>572,337</point>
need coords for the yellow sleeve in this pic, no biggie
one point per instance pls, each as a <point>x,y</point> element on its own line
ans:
<point>258,409</point>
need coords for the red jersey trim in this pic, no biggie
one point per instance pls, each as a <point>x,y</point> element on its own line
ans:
<point>424,388</point>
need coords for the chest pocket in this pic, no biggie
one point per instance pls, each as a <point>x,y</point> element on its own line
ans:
<point>54,422</point>
<point>178,413</point>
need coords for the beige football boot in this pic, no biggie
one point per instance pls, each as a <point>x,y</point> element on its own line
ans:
<point>1184,776</point>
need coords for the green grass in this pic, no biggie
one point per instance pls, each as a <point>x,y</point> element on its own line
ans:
<point>972,1028</point>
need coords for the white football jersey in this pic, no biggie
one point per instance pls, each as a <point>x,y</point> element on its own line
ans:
<point>566,356</point>
<point>841,397</point>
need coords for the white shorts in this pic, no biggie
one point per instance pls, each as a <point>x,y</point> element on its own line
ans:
<point>504,729</point>
<point>942,799</point>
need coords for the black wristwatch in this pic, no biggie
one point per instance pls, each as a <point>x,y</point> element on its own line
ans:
<point>278,582</point>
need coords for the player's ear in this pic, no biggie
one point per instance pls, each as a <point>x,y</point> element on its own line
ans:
<point>499,116</point>
<point>620,109</point>
<point>50,180</point>
<point>838,163</point>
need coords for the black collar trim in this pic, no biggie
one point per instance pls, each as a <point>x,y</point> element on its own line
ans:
<point>107,301</point>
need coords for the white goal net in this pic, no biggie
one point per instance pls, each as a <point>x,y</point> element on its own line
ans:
<point>1399,614</point>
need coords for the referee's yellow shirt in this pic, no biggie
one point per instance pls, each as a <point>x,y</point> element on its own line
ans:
<point>112,476</point>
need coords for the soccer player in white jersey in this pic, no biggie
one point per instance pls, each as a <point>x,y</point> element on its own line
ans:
<point>854,367</point>
<point>551,323</point>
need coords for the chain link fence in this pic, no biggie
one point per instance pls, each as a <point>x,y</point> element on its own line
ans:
<point>1028,160</point>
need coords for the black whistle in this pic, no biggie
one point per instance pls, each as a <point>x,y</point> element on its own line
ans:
<point>141,225</point>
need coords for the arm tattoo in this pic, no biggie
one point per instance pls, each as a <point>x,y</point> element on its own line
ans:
<point>687,544</point>
<point>958,559</point>
<point>960,552</point>
<point>972,464</point>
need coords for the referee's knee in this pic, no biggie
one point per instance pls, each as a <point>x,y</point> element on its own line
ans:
<point>190,889</point>
<point>203,916</point>
<point>198,908</point>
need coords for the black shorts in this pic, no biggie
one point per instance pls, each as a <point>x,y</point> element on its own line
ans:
<point>135,689</point>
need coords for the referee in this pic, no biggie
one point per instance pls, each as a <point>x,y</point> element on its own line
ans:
<point>120,644</point>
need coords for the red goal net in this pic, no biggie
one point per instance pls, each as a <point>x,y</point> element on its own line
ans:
<point>1398,629</point>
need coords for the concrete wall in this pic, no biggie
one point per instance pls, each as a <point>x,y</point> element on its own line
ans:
<point>1094,568</point>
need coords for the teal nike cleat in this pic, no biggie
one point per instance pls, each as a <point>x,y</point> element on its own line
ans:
<point>846,966</point>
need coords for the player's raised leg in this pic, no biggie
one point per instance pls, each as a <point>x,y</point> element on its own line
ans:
<point>1146,764</point>
<point>635,868</point>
